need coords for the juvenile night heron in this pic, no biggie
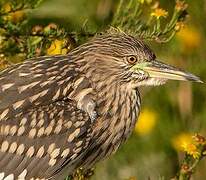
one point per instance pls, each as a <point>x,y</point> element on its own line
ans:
<point>59,113</point>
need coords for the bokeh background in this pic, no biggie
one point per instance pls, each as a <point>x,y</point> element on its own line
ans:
<point>170,113</point>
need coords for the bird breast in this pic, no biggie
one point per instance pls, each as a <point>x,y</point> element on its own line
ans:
<point>118,112</point>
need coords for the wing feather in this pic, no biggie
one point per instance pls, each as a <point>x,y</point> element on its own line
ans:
<point>35,83</point>
<point>43,155</point>
<point>41,128</point>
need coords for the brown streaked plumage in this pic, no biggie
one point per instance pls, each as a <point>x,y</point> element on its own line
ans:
<point>63,112</point>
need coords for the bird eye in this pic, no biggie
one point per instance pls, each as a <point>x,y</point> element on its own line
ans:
<point>131,59</point>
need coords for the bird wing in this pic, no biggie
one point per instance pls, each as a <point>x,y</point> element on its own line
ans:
<point>41,129</point>
<point>41,142</point>
<point>35,83</point>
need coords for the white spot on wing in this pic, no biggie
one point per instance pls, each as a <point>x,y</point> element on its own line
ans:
<point>2,176</point>
<point>45,83</point>
<point>22,176</point>
<point>52,162</point>
<point>4,146</point>
<point>32,133</point>
<point>20,149</point>
<point>60,82</point>
<point>30,151</point>
<point>35,97</point>
<point>40,132</point>
<point>6,86</point>
<point>9,177</point>
<point>37,75</point>
<point>40,152</point>
<point>13,130</point>
<point>65,91</point>
<point>23,74</point>
<point>1,78</point>
<point>51,148</point>
<point>18,104</point>
<point>13,147</point>
<point>23,88</point>
<point>65,153</point>
<point>4,113</point>
<point>52,68</point>
<point>73,135</point>
<point>55,153</point>
<point>23,121</point>
<point>56,95</point>
<point>43,93</point>
<point>20,130</point>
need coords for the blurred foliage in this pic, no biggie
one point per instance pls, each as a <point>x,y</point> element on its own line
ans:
<point>133,18</point>
<point>146,122</point>
<point>80,174</point>
<point>22,38</point>
<point>19,41</point>
<point>171,113</point>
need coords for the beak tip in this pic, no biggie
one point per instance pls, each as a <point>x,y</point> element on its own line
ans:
<point>197,80</point>
<point>191,77</point>
<point>200,81</point>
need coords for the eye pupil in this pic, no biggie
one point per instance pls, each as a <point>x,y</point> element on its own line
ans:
<point>132,60</point>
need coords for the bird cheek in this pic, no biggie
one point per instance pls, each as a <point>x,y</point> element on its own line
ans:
<point>140,75</point>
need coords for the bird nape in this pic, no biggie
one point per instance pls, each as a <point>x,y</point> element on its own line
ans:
<point>59,113</point>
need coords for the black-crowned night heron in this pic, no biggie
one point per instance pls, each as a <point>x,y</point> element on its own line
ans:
<point>59,113</point>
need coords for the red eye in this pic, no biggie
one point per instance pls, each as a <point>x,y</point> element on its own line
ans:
<point>131,59</point>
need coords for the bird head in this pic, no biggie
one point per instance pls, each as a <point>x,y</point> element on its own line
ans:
<point>128,60</point>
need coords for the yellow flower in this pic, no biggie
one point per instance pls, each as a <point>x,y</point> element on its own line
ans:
<point>146,122</point>
<point>185,142</point>
<point>56,48</point>
<point>180,139</point>
<point>7,7</point>
<point>143,1</point>
<point>149,1</point>
<point>159,12</point>
<point>190,38</point>
<point>132,178</point>
<point>3,62</point>
<point>15,16</point>
<point>191,149</point>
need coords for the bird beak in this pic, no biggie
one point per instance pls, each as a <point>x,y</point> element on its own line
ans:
<point>157,69</point>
